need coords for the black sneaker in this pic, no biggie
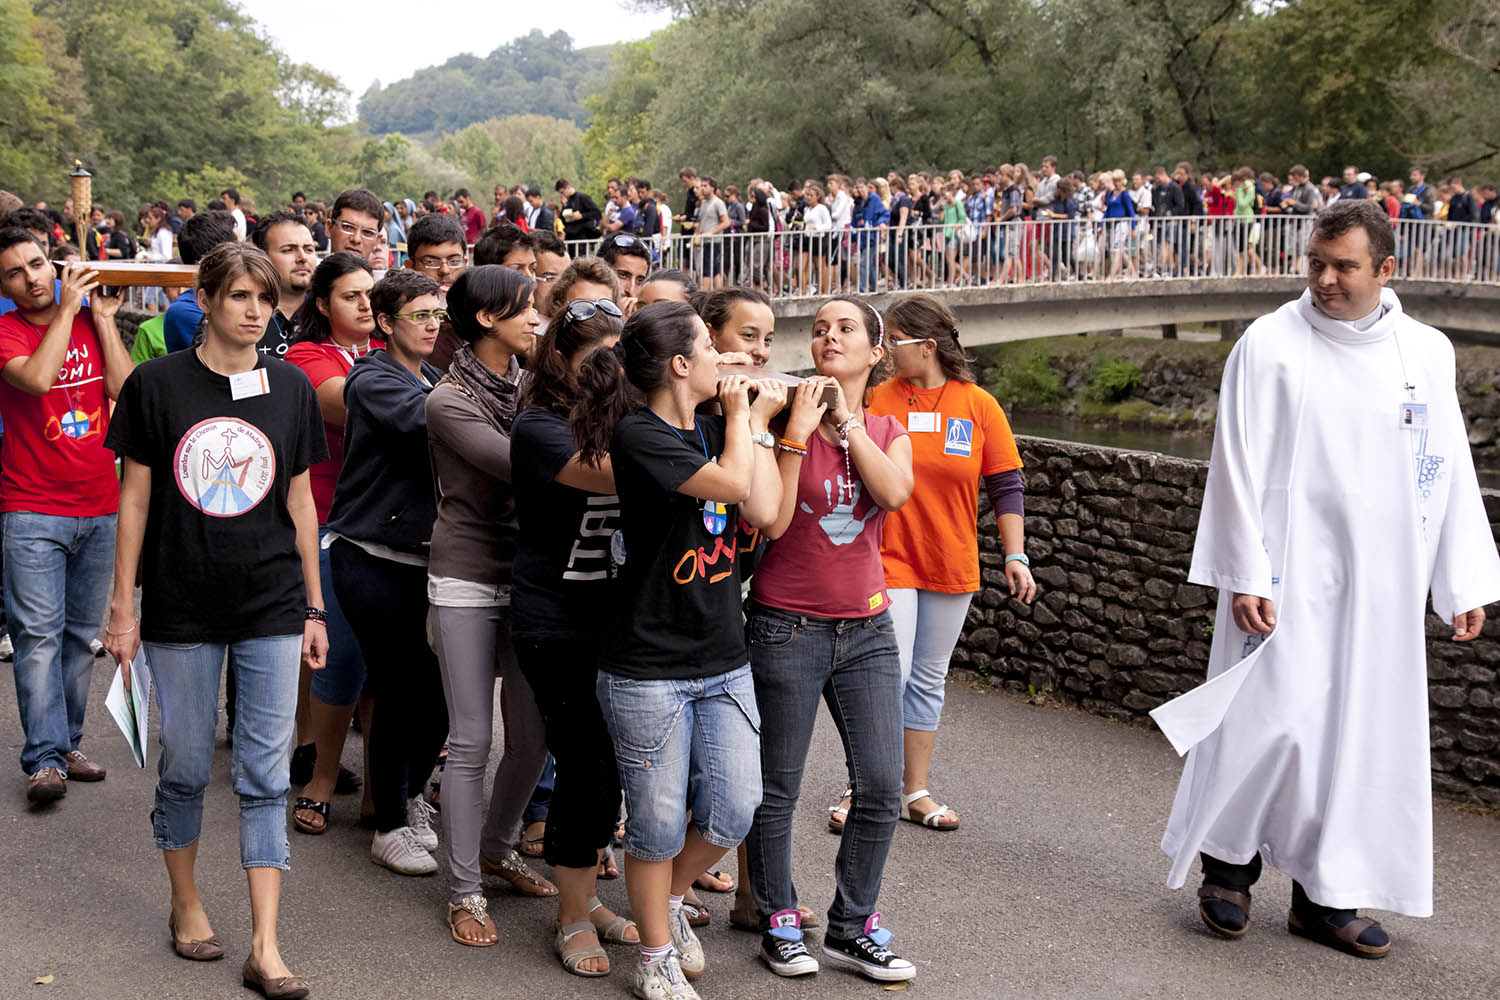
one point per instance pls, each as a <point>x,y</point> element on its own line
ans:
<point>782,946</point>
<point>868,954</point>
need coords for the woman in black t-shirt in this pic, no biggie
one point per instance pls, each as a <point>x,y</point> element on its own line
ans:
<point>216,513</point>
<point>566,567</point>
<point>674,684</point>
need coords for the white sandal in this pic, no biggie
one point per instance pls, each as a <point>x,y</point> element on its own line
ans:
<point>930,820</point>
<point>838,813</point>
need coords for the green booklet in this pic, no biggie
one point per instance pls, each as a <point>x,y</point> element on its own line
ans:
<point>132,708</point>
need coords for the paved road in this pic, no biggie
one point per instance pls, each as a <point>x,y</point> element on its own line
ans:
<point>1052,888</point>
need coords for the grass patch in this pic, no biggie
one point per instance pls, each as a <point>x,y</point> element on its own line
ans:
<point>1113,379</point>
<point>1026,378</point>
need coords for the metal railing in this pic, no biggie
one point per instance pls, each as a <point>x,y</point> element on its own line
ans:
<point>796,264</point>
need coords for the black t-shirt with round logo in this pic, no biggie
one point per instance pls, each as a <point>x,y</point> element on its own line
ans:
<point>219,562</point>
<point>678,613</point>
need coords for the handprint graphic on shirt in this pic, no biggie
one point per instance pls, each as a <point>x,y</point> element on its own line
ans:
<point>839,524</point>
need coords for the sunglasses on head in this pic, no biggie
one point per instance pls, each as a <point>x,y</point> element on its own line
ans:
<point>623,240</point>
<point>581,309</point>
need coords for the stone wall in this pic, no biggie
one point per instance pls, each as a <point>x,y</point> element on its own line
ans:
<point>1117,629</point>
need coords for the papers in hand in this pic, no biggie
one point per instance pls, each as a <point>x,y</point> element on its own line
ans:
<point>132,709</point>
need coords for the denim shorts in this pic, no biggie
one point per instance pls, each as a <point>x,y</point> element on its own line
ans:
<point>684,745</point>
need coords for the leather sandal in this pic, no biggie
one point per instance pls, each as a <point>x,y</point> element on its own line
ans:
<point>512,869</point>
<point>309,805</point>
<point>207,949</point>
<point>714,881</point>
<point>613,930</point>
<point>572,958</point>
<point>283,988</point>
<point>472,909</point>
<point>1219,892</point>
<point>838,813</point>
<point>1345,938</point>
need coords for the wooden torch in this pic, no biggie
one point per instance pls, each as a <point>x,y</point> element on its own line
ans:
<point>83,202</point>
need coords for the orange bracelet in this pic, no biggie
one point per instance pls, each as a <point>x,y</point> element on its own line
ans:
<point>791,446</point>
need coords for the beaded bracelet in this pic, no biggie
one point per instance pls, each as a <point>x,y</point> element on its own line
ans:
<point>313,614</point>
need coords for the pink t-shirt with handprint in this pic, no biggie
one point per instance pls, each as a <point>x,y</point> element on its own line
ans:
<point>828,562</point>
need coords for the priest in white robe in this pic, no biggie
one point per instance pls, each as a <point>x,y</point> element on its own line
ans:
<point>1340,494</point>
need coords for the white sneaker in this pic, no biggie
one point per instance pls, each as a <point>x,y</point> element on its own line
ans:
<point>7,650</point>
<point>419,820</point>
<point>401,852</point>
<point>662,981</point>
<point>689,950</point>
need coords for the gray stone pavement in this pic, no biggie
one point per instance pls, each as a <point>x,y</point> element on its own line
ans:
<point>1052,888</point>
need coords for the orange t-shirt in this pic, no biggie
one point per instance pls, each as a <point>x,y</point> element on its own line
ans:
<point>958,434</point>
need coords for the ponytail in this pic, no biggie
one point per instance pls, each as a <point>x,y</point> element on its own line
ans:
<point>604,397</point>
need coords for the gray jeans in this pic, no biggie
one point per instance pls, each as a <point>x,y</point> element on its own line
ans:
<point>473,648</point>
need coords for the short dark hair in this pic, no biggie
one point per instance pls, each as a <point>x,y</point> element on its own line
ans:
<point>298,194</point>
<point>203,232</point>
<point>187,203</point>
<point>546,241</point>
<point>399,286</point>
<point>502,291</point>
<point>674,276</point>
<point>498,242</point>
<point>562,182</point>
<point>214,205</point>
<point>461,193</point>
<point>533,192</point>
<point>12,236</point>
<point>687,172</point>
<point>261,234</point>
<point>230,193</point>
<point>357,200</point>
<point>612,248</point>
<point>433,229</point>
<point>1346,215</point>
<point>29,218</point>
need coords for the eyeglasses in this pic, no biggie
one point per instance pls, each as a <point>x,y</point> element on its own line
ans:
<point>349,229</point>
<point>454,263</point>
<point>425,316</point>
<point>903,343</point>
<point>581,309</point>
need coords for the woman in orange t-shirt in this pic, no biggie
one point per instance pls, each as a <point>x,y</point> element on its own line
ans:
<point>930,548</point>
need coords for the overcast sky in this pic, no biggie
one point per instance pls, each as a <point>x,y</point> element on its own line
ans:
<point>409,36</point>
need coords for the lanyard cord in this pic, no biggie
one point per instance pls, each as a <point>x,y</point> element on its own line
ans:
<point>701,441</point>
<point>70,397</point>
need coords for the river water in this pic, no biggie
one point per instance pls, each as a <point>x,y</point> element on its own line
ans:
<point>1176,443</point>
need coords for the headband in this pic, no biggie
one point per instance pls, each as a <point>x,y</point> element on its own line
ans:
<point>879,328</point>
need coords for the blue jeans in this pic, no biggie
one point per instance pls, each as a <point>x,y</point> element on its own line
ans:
<point>343,677</point>
<point>853,665</point>
<point>56,581</point>
<point>186,677</point>
<point>541,796</point>
<point>869,265</point>
<point>684,744</point>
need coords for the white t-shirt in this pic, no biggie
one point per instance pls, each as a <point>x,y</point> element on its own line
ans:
<point>841,208</point>
<point>817,219</point>
<point>239,223</point>
<point>1142,198</point>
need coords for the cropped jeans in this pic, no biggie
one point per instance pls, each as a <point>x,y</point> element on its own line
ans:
<point>56,582</point>
<point>186,679</point>
<point>853,665</point>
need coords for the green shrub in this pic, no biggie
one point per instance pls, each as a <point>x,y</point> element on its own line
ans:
<point>1112,381</point>
<point>1026,380</point>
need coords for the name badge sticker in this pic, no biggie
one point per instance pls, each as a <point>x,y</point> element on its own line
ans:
<point>1414,416</point>
<point>247,385</point>
<point>922,422</point>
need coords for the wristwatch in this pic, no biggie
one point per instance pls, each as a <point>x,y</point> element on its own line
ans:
<point>765,439</point>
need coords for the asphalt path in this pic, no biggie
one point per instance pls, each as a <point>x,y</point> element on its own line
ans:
<point>1053,887</point>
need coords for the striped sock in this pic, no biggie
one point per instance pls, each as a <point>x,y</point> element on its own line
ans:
<point>650,956</point>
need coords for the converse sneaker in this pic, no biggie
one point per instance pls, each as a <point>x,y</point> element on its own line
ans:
<point>689,950</point>
<point>401,852</point>
<point>419,818</point>
<point>868,954</point>
<point>662,980</point>
<point>782,946</point>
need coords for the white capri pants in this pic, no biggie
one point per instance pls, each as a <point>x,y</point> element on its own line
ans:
<point>928,624</point>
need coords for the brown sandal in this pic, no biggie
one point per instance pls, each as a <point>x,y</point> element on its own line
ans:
<point>1345,938</point>
<point>512,869</point>
<point>283,988</point>
<point>472,909</point>
<point>1240,899</point>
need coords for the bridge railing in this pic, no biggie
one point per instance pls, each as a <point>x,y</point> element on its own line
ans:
<point>802,263</point>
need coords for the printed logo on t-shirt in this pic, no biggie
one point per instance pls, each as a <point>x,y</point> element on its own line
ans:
<point>594,555</point>
<point>959,438</point>
<point>224,466</point>
<point>876,600</point>
<point>74,424</point>
<point>839,523</point>
<point>715,516</point>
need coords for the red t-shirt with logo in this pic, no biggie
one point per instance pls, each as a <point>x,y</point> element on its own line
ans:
<point>321,362</point>
<point>54,460</point>
<point>827,563</point>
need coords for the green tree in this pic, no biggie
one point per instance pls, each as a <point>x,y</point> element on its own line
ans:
<point>40,100</point>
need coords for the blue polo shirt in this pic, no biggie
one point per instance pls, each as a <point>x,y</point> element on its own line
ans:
<point>180,322</point>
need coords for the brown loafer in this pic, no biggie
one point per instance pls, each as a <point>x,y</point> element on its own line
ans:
<point>80,768</point>
<point>48,784</point>
<point>285,988</point>
<point>203,950</point>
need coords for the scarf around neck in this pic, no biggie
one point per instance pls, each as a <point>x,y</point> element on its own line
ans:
<point>497,394</point>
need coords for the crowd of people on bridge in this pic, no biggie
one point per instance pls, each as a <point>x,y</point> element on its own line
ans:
<point>376,489</point>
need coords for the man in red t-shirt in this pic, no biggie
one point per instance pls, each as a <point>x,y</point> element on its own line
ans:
<point>60,365</point>
<point>471,215</point>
